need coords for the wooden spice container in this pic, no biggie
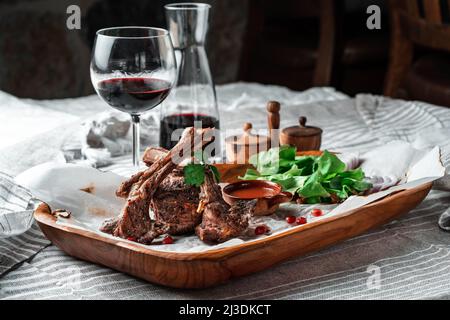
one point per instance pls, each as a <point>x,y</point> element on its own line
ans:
<point>303,137</point>
<point>240,148</point>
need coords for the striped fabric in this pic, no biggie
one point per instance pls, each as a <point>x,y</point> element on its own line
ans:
<point>13,215</point>
<point>14,250</point>
<point>410,256</point>
<point>12,197</point>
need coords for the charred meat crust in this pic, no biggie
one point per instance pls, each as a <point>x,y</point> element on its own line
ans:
<point>220,221</point>
<point>109,225</point>
<point>175,204</point>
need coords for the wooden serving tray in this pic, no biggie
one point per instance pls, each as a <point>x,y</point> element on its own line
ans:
<point>200,270</point>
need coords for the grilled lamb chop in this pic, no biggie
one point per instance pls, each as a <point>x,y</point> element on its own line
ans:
<point>221,221</point>
<point>175,204</point>
<point>134,221</point>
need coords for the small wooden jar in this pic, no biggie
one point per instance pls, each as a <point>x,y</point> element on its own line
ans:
<point>304,137</point>
<point>241,147</point>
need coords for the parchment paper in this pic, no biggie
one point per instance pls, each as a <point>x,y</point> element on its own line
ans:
<point>60,186</point>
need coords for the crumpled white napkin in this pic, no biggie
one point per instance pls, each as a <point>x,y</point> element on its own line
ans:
<point>426,139</point>
<point>109,135</point>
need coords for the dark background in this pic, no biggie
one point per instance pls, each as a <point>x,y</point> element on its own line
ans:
<point>40,58</point>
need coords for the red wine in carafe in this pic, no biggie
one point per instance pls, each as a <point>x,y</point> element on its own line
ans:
<point>133,95</point>
<point>180,121</point>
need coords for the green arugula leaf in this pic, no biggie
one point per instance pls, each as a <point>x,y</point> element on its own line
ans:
<point>269,162</point>
<point>288,180</point>
<point>356,174</point>
<point>313,187</point>
<point>287,152</point>
<point>294,184</point>
<point>313,200</point>
<point>329,163</point>
<point>306,164</point>
<point>341,193</point>
<point>362,186</point>
<point>285,164</point>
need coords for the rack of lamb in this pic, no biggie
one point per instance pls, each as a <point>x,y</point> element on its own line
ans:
<point>178,208</point>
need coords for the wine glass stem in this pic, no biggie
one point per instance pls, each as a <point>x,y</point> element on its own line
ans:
<point>136,140</point>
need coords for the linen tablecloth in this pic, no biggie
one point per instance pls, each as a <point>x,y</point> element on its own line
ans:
<point>410,256</point>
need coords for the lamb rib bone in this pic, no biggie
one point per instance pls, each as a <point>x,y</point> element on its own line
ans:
<point>153,154</point>
<point>129,186</point>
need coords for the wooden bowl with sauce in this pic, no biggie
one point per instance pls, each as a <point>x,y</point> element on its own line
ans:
<point>269,195</point>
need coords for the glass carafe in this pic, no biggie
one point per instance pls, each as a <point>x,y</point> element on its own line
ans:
<point>193,99</point>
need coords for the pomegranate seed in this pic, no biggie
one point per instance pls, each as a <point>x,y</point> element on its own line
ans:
<point>290,219</point>
<point>167,240</point>
<point>131,239</point>
<point>260,230</point>
<point>316,212</point>
<point>301,220</point>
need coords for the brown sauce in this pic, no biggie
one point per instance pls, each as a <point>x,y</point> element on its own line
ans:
<point>253,193</point>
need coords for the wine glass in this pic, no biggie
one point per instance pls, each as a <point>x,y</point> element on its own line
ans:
<point>133,70</point>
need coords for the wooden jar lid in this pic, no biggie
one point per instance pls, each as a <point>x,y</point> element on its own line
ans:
<point>302,130</point>
<point>247,138</point>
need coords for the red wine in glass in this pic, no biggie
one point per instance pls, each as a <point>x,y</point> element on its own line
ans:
<point>133,95</point>
<point>180,121</point>
<point>133,70</point>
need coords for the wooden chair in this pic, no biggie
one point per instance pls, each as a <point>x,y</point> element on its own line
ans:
<point>419,66</point>
<point>322,46</point>
<point>281,43</point>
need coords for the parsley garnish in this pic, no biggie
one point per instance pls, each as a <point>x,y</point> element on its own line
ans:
<point>194,173</point>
